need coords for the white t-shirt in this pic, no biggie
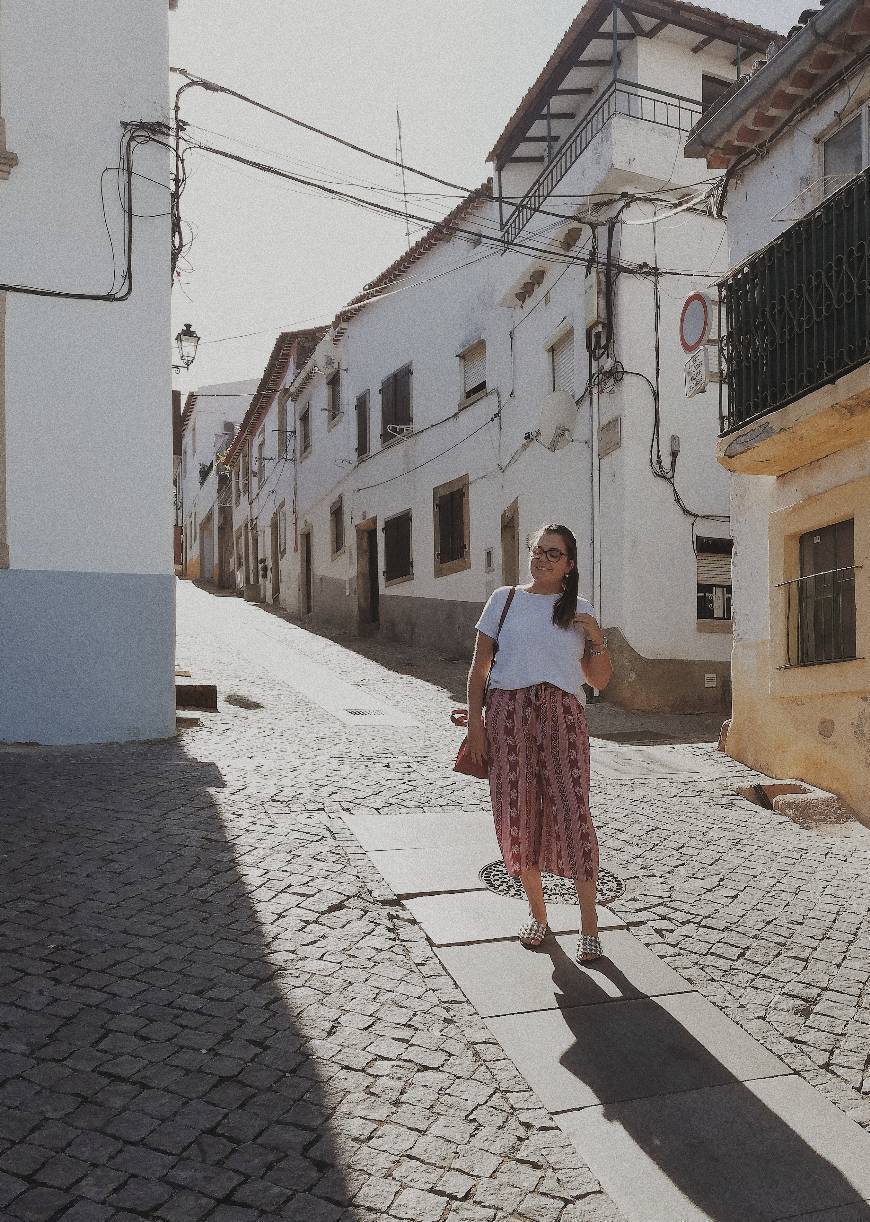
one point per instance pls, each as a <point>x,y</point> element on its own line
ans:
<point>531,648</point>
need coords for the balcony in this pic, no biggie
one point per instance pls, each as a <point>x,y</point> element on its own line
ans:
<point>670,110</point>
<point>797,333</point>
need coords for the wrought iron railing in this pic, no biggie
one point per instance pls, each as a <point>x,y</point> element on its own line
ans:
<point>820,617</point>
<point>797,314</point>
<point>622,98</point>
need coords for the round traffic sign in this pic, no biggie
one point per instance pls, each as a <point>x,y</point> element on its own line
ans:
<point>694,322</point>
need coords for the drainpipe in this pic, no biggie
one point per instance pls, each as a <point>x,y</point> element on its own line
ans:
<point>500,195</point>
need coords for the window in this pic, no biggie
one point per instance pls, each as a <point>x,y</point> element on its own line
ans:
<point>362,424</point>
<point>240,552</point>
<point>237,487</point>
<point>282,429</point>
<point>450,503</point>
<point>825,596</point>
<point>712,89</point>
<point>333,397</point>
<point>398,562</point>
<point>336,526</point>
<point>246,468</point>
<point>193,440</point>
<point>261,460</point>
<point>184,460</point>
<point>396,404</point>
<point>305,430</point>
<point>282,528</point>
<point>562,364</point>
<point>474,369</point>
<point>714,578</point>
<point>843,154</point>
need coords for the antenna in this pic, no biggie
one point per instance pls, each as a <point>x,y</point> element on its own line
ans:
<point>401,160</point>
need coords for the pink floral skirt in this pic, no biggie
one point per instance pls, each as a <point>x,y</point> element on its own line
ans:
<point>539,781</point>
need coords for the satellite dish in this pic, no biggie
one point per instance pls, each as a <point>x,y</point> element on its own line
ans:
<point>558,414</point>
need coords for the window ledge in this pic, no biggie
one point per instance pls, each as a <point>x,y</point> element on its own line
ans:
<point>478,394</point>
<point>397,581</point>
<point>714,625</point>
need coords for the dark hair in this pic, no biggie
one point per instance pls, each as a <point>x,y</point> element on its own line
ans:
<point>565,606</point>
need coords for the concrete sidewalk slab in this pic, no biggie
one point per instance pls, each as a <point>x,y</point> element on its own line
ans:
<point>430,871</point>
<point>617,1051</point>
<point>484,916</point>
<point>756,1151</point>
<point>425,829</point>
<point>506,978</point>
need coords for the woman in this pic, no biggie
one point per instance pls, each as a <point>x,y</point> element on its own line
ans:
<point>535,735</point>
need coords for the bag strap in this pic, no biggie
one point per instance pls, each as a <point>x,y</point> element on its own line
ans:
<point>504,612</point>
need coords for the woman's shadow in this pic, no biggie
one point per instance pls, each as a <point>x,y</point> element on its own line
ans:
<point>718,1144</point>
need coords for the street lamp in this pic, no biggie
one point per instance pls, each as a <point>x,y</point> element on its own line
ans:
<point>187,342</point>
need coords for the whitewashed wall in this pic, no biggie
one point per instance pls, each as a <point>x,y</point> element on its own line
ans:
<point>88,430</point>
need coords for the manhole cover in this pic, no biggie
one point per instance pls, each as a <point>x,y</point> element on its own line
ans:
<point>556,890</point>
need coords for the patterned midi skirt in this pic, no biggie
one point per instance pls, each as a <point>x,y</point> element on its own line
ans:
<point>538,747</point>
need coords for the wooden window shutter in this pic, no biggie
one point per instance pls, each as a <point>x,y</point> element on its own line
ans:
<point>397,548</point>
<point>563,364</point>
<point>388,407</point>
<point>362,424</point>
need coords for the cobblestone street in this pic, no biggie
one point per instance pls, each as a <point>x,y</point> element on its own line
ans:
<point>213,1007</point>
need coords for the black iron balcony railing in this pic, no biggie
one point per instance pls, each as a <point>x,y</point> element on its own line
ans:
<point>797,314</point>
<point>622,98</point>
<point>820,617</point>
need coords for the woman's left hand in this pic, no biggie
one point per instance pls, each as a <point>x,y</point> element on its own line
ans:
<point>589,624</point>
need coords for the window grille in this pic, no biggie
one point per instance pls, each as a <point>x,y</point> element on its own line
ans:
<point>562,358</point>
<point>396,404</point>
<point>362,424</point>
<point>333,390</point>
<point>398,560</point>
<point>336,521</point>
<point>820,604</point>
<point>474,369</point>
<point>714,578</point>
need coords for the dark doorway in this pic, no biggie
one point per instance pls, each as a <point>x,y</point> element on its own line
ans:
<point>367,575</point>
<point>307,575</point>
<point>276,559</point>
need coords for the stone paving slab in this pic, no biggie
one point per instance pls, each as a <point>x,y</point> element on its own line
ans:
<point>624,1050</point>
<point>754,1152</point>
<point>501,978</point>
<point>484,916</point>
<point>430,871</point>
<point>426,829</point>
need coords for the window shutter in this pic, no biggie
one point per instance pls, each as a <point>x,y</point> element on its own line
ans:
<point>397,548</point>
<point>403,395</point>
<point>563,364</point>
<point>388,407</point>
<point>474,369</point>
<point>362,424</point>
<point>714,570</point>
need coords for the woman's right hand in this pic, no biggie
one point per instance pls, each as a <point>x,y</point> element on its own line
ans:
<point>477,741</point>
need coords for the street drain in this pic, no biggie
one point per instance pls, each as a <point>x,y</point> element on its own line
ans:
<point>556,890</point>
<point>358,712</point>
<point>242,702</point>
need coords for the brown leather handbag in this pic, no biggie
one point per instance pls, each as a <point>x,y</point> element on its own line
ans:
<point>464,763</point>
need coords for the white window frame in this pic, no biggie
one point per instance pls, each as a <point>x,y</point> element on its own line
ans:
<point>861,113</point>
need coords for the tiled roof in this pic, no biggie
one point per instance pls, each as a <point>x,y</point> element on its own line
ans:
<point>440,232</point>
<point>273,375</point>
<point>589,22</point>
<point>760,104</point>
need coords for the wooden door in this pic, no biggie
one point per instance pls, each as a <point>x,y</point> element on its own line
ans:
<point>367,583</point>
<point>510,545</point>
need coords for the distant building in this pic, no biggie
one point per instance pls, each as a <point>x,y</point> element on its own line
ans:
<point>795,422</point>
<point>515,367</point>
<point>209,422</point>
<point>86,565</point>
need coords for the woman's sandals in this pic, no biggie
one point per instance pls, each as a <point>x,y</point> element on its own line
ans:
<point>589,948</point>
<point>533,933</point>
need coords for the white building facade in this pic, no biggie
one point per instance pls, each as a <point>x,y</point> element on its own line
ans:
<point>795,143</point>
<point>86,565</point>
<point>514,369</point>
<point>209,422</point>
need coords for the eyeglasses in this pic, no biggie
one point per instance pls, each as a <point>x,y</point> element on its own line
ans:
<point>552,553</point>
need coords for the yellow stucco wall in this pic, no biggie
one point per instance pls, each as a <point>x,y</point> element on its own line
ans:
<point>808,722</point>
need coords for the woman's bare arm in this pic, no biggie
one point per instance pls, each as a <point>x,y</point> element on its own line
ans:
<point>481,664</point>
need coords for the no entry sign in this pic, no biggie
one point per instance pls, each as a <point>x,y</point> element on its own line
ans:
<point>695,322</point>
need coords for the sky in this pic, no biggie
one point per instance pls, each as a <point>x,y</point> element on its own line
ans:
<point>268,255</point>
